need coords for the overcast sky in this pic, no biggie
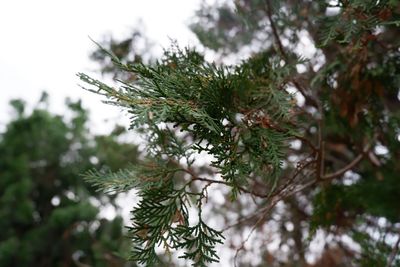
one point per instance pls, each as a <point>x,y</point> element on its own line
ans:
<point>44,43</point>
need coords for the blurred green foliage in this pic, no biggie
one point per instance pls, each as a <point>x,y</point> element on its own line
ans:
<point>49,215</point>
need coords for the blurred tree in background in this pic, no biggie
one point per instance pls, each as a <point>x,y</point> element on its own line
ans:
<point>49,215</point>
<point>304,136</point>
<point>134,49</point>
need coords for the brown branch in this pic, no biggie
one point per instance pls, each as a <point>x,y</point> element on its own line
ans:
<point>327,177</point>
<point>274,30</point>
<point>284,191</point>
<point>252,192</point>
<point>320,156</point>
<point>267,209</point>
<point>347,167</point>
<point>282,51</point>
<point>322,152</point>
<point>311,99</point>
<point>293,192</point>
<point>277,195</point>
<point>308,142</point>
<point>394,253</point>
<point>278,41</point>
<point>212,181</point>
<point>274,200</point>
<point>229,184</point>
<point>243,219</point>
<point>290,180</point>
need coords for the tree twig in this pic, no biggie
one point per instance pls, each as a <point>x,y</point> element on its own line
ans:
<point>262,218</point>
<point>394,253</point>
<point>282,51</point>
<point>321,148</point>
<point>274,30</point>
<point>212,181</point>
<point>347,167</point>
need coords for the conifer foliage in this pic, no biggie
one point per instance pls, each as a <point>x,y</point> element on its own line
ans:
<point>248,116</point>
<point>49,215</point>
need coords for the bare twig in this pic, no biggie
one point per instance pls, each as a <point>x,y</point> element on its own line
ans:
<point>308,142</point>
<point>347,167</point>
<point>261,219</point>
<point>274,30</point>
<point>290,180</point>
<point>212,181</point>
<point>320,156</point>
<point>395,252</point>
<point>310,98</point>
<point>282,51</point>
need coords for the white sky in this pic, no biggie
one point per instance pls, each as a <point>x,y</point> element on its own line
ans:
<point>44,43</point>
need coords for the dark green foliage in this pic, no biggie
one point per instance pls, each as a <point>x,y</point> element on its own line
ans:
<point>375,252</point>
<point>48,217</point>
<point>339,202</point>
